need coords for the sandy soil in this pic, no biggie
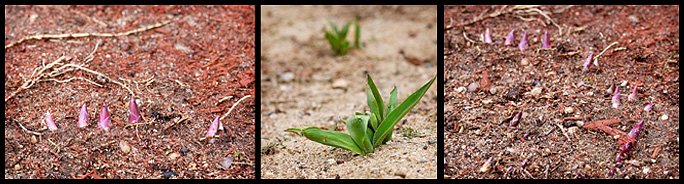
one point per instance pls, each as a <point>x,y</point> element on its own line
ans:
<point>557,99</point>
<point>293,43</point>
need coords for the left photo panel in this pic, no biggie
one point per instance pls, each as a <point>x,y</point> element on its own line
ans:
<point>130,92</point>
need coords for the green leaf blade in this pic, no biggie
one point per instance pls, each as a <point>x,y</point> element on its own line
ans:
<point>332,138</point>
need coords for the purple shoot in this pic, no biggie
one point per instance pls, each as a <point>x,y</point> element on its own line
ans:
<point>213,128</point>
<point>104,122</point>
<point>612,88</point>
<point>49,122</point>
<point>133,112</point>
<point>633,95</point>
<point>633,134</point>
<point>83,117</point>
<point>648,107</point>
<point>546,44</point>
<point>587,63</point>
<point>523,163</point>
<point>515,120</point>
<point>616,98</point>
<point>523,43</point>
<point>509,38</point>
<point>488,36</point>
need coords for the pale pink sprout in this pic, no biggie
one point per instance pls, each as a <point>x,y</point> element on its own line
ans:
<point>213,128</point>
<point>83,117</point>
<point>612,87</point>
<point>632,96</point>
<point>616,98</point>
<point>105,119</point>
<point>523,43</point>
<point>133,112</point>
<point>515,120</point>
<point>587,62</point>
<point>648,107</point>
<point>488,36</point>
<point>509,38</point>
<point>49,122</point>
<point>546,44</point>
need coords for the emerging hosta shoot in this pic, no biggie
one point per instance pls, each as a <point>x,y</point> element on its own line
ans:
<point>488,36</point>
<point>213,128</point>
<point>515,120</point>
<point>368,130</point>
<point>648,107</point>
<point>338,38</point>
<point>632,96</point>
<point>523,43</point>
<point>509,38</point>
<point>83,117</point>
<point>133,112</point>
<point>49,122</point>
<point>105,120</point>
<point>587,63</point>
<point>612,88</point>
<point>546,43</point>
<point>633,134</point>
<point>616,98</point>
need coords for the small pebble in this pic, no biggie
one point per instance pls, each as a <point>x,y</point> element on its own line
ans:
<point>568,110</point>
<point>331,161</point>
<point>473,87</point>
<point>536,91</point>
<point>173,156</point>
<point>287,76</point>
<point>340,84</point>
<point>423,160</point>
<point>226,162</point>
<point>124,147</point>
<point>664,117</point>
<point>17,167</point>
<point>524,62</point>
<point>460,89</point>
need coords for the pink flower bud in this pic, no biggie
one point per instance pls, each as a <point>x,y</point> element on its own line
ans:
<point>488,36</point>
<point>587,63</point>
<point>133,112</point>
<point>616,98</point>
<point>633,95</point>
<point>509,38</point>
<point>104,122</point>
<point>612,88</point>
<point>648,107</point>
<point>523,43</point>
<point>49,122</point>
<point>213,128</point>
<point>546,44</point>
<point>635,131</point>
<point>83,117</point>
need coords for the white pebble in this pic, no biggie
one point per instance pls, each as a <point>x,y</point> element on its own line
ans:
<point>664,117</point>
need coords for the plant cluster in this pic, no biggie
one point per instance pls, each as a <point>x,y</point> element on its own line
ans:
<point>338,37</point>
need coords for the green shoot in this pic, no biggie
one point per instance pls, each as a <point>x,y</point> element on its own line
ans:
<point>338,37</point>
<point>369,130</point>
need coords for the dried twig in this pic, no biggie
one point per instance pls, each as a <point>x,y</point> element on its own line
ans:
<point>28,131</point>
<point>604,50</point>
<point>79,35</point>
<point>231,108</point>
<point>519,11</point>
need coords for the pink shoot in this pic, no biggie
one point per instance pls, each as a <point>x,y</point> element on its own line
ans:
<point>523,43</point>
<point>616,98</point>
<point>612,88</point>
<point>488,36</point>
<point>648,107</point>
<point>515,120</point>
<point>105,120</point>
<point>49,122</point>
<point>509,38</point>
<point>213,128</point>
<point>83,117</point>
<point>633,95</point>
<point>587,63</point>
<point>133,112</point>
<point>546,44</point>
<point>633,134</point>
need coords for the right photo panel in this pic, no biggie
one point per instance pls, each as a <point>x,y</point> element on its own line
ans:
<point>562,92</point>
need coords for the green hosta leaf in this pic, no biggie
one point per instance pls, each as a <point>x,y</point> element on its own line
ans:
<point>386,126</point>
<point>342,35</point>
<point>392,103</point>
<point>357,32</point>
<point>357,129</point>
<point>378,98</point>
<point>332,138</point>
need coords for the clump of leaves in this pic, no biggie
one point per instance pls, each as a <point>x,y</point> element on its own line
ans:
<point>368,130</point>
<point>338,37</point>
<point>408,132</point>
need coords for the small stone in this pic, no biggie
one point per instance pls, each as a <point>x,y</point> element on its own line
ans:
<point>568,110</point>
<point>624,83</point>
<point>536,91</point>
<point>493,90</point>
<point>340,84</point>
<point>460,89</point>
<point>664,117</point>
<point>331,161</point>
<point>17,167</point>
<point>524,62</point>
<point>579,123</point>
<point>34,139</point>
<point>400,174</point>
<point>423,160</point>
<point>124,147</point>
<point>173,156</point>
<point>287,76</point>
<point>226,162</point>
<point>473,87</point>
